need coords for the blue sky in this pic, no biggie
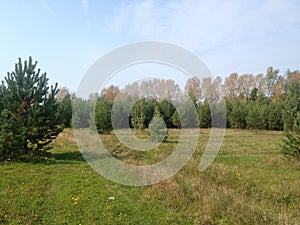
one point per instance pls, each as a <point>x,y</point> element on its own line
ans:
<point>66,37</point>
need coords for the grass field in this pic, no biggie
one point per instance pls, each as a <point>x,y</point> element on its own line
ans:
<point>248,183</point>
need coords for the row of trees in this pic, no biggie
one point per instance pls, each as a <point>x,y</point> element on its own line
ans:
<point>273,86</point>
<point>252,102</point>
<point>257,114</point>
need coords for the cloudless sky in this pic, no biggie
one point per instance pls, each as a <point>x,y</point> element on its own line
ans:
<point>66,37</point>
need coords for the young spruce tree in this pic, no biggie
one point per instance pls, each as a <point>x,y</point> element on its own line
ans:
<point>157,128</point>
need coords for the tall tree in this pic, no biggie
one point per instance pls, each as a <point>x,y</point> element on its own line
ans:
<point>271,79</point>
<point>260,83</point>
<point>61,94</point>
<point>278,90</point>
<point>110,93</point>
<point>246,83</point>
<point>193,88</point>
<point>230,87</point>
<point>207,89</point>
<point>216,88</point>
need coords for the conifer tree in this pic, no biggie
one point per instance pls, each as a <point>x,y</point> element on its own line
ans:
<point>29,111</point>
<point>291,145</point>
<point>65,110</point>
<point>11,135</point>
<point>274,116</point>
<point>204,114</point>
<point>138,116</point>
<point>256,117</point>
<point>176,120</point>
<point>103,116</point>
<point>157,128</point>
<point>167,110</point>
<point>81,112</point>
<point>237,115</point>
<point>291,105</point>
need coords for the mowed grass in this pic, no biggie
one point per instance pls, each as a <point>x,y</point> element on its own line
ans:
<point>248,183</point>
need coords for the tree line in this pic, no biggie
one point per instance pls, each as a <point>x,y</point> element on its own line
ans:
<point>269,101</point>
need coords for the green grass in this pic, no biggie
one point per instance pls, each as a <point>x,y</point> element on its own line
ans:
<point>248,183</point>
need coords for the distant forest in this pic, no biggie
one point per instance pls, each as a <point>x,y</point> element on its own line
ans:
<point>265,101</point>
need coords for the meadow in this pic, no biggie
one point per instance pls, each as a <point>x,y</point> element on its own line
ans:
<point>250,182</point>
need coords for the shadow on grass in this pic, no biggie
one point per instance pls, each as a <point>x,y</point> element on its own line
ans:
<point>173,141</point>
<point>59,158</point>
<point>50,158</point>
<point>68,156</point>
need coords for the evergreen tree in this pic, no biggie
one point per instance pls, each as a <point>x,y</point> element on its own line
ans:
<point>81,112</point>
<point>157,128</point>
<point>218,115</point>
<point>237,116</point>
<point>175,119</point>
<point>29,110</point>
<point>188,115</point>
<point>291,105</point>
<point>138,116</point>
<point>11,135</point>
<point>119,116</point>
<point>65,110</point>
<point>256,117</point>
<point>204,114</point>
<point>228,112</point>
<point>291,145</point>
<point>254,94</point>
<point>167,109</point>
<point>274,116</point>
<point>149,106</point>
<point>103,116</point>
